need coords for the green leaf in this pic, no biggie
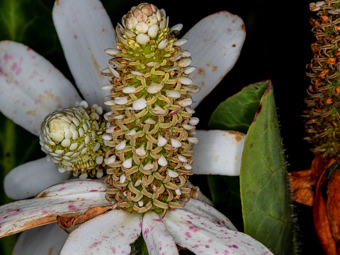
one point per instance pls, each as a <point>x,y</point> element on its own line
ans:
<point>30,22</point>
<point>266,202</point>
<point>139,247</point>
<point>17,146</point>
<point>237,112</point>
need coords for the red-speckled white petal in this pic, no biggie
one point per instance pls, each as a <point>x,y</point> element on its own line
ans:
<point>157,237</point>
<point>218,152</point>
<point>29,179</point>
<point>109,233</point>
<point>202,236</point>
<point>25,214</point>
<point>85,31</point>
<point>74,186</point>
<point>30,86</point>
<point>42,240</point>
<point>215,44</point>
<point>204,210</point>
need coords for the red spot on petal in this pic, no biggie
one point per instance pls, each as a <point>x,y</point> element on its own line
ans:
<point>193,228</point>
<point>72,207</point>
<point>187,234</point>
<point>95,244</point>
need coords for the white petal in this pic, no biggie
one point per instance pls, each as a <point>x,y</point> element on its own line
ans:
<point>25,214</point>
<point>109,233</point>
<point>74,186</point>
<point>29,179</point>
<point>203,236</point>
<point>218,152</point>
<point>41,241</point>
<point>31,87</point>
<point>85,31</point>
<point>204,210</point>
<point>156,236</point>
<point>215,51</point>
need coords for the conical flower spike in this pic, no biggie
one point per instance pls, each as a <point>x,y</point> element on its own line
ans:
<point>73,139</point>
<point>151,117</point>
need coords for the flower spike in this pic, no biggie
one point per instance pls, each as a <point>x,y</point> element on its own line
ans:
<point>73,139</point>
<point>152,140</point>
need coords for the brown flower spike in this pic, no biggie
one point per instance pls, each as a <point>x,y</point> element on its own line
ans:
<point>319,185</point>
<point>323,103</point>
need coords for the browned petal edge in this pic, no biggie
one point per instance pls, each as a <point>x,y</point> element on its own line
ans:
<point>67,221</point>
<point>44,220</point>
<point>301,187</point>
<point>32,224</point>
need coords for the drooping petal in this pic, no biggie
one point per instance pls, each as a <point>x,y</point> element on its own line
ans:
<point>109,233</point>
<point>204,210</point>
<point>156,236</point>
<point>30,178</point>
<point>85,31</point>
<point>215,44</point>
<point>30,86</point>
<point>26,214</point>
<point>42,240</point>
<point>202,236</point>
<point>74,186</point>
<point>218,152</point>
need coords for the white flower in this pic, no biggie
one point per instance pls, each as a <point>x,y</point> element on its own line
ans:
<point>31,87</point>
<point>197,227</point>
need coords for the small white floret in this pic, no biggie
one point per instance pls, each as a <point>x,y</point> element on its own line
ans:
<point>185,80</point>
<point>163,44</point>
<point>185,102</point>
<point>148,166</point>
<point>180,42</point>
<point>122,178</point>
<point>175,143</point>
<point>154,88</point>
<point>161,141</point>
<point>139,104</point>
<point>153,31</point>
<point>142,39</point>
<point>127,163</point>
<point>173,94</point>
<point>129,89</point>
<point>172,173</point>
<point>162,161</point>
<point>121,145</point>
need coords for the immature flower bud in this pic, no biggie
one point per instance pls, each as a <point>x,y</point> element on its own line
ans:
<point>153,139</point>
<point>72,138</point>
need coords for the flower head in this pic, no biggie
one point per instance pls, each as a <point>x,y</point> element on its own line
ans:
<point>72,138</point>
<point>151,138</point>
